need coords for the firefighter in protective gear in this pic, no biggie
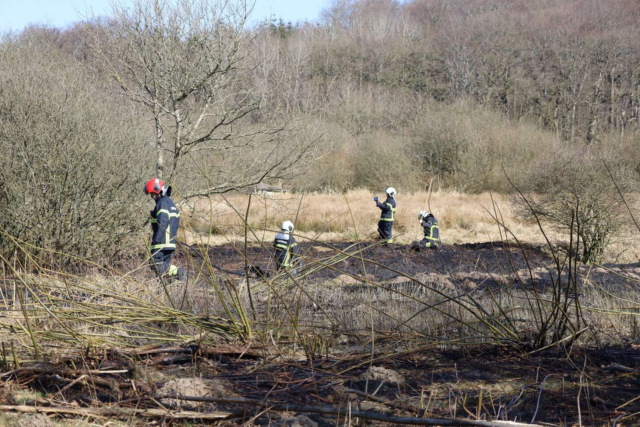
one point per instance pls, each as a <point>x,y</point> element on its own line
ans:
<point>165,221</point>
<point>287,252</point>
<point>431,238</point>
<point>387,217</point>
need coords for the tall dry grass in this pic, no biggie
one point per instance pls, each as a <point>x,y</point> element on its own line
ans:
<point>464,218</point>
<point>125,309</point>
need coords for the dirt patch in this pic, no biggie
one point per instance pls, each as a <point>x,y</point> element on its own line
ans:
<point>298,421</point>
<point>196,387</point>
<point>378,373</point>
<point>343,279</point>
<point>38,420</point>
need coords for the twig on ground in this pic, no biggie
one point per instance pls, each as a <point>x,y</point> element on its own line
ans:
<point>355,414</point>
<point>402,405</point>
<point>120,412</point>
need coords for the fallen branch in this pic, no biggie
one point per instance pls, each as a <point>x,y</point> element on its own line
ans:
<point>400,405</point>
<point>71,384</point>
<point>89,375</point>
<point>207,351</point>
<point>64,372</point>
<point>344,411</point>
<point>615,367</point>
<point>119,412</point>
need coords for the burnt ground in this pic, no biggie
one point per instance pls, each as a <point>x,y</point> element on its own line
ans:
<point>557,386</point>
<point>480,264</point>
<point>489,382</point>
<point>494,257</point>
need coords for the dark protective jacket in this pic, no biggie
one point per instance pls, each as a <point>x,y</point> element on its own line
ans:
<point>165,220</point>
<point>286,249</point>
<point>388,208</point>
<point>431,231</point>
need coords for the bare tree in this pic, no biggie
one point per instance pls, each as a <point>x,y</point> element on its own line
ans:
<point>187,62</point>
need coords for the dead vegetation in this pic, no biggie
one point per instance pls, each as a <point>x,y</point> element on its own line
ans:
<point>464,218</point>
<point>501,326</point>
<point>468,335</point>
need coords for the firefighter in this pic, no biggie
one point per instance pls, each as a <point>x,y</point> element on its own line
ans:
<point>287,252</point>
<point>431,238</point>
<point>165,221</point>
<point>387,217</point>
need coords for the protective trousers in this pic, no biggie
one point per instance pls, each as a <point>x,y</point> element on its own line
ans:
<point>283,259</point>
<point>384,230</point>
<point>161,263</point>
<point>429,243</point>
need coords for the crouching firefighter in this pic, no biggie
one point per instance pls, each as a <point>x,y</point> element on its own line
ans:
<point>431,238</point>
<point>387,217</point>
<point>287,253</point>
<point>165,221</point>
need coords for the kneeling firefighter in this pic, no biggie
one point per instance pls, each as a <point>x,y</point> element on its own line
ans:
<point>431,238</point>
<point>387,216</point>
<point>287,252</point>
<point>165,221</point>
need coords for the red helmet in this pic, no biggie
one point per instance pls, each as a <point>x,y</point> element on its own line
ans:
<point>153,186</point>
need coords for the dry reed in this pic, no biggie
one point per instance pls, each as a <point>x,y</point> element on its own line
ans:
<point>463,218</point>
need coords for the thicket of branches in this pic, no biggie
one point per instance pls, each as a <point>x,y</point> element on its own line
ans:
<point>69,167</point>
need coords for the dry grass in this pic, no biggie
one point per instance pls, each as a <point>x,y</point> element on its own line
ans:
<point>464,218</point>
<point>131,309</point>
<point>121,309</point>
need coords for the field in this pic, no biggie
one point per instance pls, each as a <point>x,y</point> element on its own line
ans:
<point>351,216</point>
<point>482,331</point>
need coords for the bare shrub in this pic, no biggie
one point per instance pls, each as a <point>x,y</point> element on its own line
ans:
<point>575,191</point>
<point>68,170</point>
<point>467,146</point>
<point>382,160</point>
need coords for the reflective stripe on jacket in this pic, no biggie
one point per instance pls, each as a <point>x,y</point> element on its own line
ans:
<point>431,231</point>
<point>388,209</point>
<point>286,249</point>
<point>165,221</point>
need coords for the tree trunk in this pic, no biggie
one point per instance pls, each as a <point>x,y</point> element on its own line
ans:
<point>159,143</point>
<point>573,121</point>
<point>593,119</point>
<point>612,111</point>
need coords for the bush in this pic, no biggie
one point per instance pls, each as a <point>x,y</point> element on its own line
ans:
<point>575,193</point>
<point>69,169</point>
<point>467,146</point>
<point>382,160</point>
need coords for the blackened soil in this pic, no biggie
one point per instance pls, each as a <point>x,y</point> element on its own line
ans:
<point>472,265</point>
<point>384,263</point>
<point>492,381</point>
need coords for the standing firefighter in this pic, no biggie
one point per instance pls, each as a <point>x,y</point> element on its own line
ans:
<point>165,221</point>
<point>388,208</point>
<point>431,238</point>
<point>287,251</point>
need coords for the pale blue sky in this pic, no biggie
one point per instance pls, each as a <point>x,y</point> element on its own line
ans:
<point>16,14</point>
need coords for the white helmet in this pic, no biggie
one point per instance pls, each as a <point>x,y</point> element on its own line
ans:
<point>287,227</point>
<point>423,214</point>
<point>391,192</point>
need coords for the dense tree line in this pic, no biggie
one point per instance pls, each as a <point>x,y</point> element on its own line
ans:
<point>570,65</point>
